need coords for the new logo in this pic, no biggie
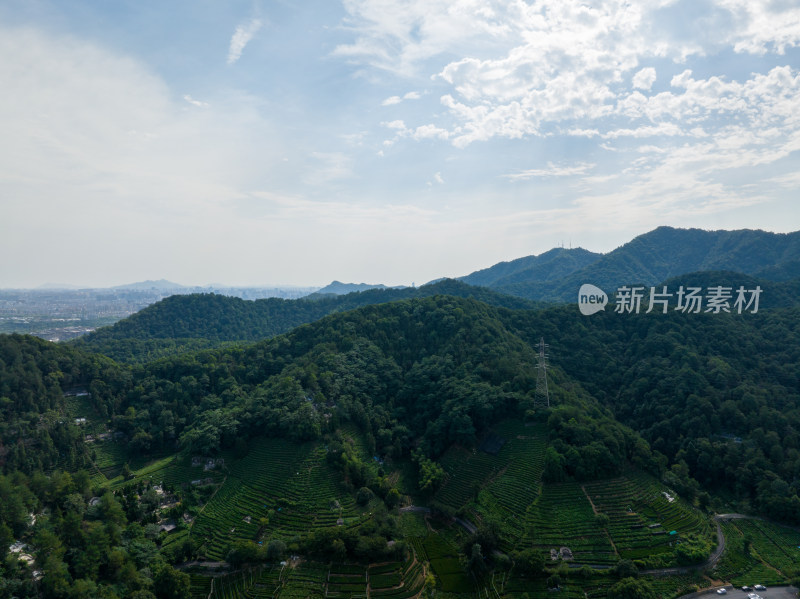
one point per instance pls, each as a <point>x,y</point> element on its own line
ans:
<point>591,299</point>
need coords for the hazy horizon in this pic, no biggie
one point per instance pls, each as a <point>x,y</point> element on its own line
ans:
<point>318,285</point>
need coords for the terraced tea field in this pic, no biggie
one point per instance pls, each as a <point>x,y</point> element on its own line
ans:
<point>563,517</point>
<point>507,497</point>
<point>467,472</point>
<point>394,580</point>
<point>443,558</point>
<point>346,581</point>
<point>642,514</point>
<point>646,519</point>
<point>287,483</point>
<point>771,558</point>
<point>281,490</point>
<point>778,546</point>
<point>306,581</point>
<point>110,456</point>
<point>412,579</point>
<point>258,583</point>
<point>500,486</point>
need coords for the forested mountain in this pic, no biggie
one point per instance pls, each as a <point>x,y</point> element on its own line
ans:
<point>414,376</point>
<point>774,294</point>
<point>726,375</point>
<point>34,375</point>
<point>549,266</point>
<point>718,392</point>
<point>661,254</point>
<point>688,382</point>
<point>325,429</point>
<point>185,322</point>
<point>339,288</point>
<point>425,373</point>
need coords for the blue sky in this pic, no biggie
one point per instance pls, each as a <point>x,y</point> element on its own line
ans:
<point>390,141</point>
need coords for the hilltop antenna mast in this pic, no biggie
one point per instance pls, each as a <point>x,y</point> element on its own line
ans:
<point>542,396</point>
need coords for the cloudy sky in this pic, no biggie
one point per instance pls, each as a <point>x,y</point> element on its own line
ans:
<point>394,141</point>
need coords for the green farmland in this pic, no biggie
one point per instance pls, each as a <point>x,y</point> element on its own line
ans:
<point>283,491</point>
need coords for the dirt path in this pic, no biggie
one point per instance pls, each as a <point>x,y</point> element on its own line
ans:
<point>605,529</point>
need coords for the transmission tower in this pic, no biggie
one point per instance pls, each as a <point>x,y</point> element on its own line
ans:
<point>542,397</point>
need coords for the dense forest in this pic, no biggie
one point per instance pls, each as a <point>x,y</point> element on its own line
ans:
<point>83,548</point>
<point>190,322</point>
<point>34,375</point>
<point>702,402</point>
<point>423,373</point>
<point>661,254</point>
<point>717,394</point>
<point>724,403</point>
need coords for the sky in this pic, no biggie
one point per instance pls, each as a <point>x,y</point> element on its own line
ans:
<point>382,141</point>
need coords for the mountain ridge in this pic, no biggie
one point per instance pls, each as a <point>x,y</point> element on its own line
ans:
<point>668,252</point>
<point>546,266</point>
<point>205,320</point>
<point>339,288</point>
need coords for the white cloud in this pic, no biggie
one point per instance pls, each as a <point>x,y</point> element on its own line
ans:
<point>399,35</point>
<point>648,149</point>
<point>392,100</point>
<point>759,112</point>
<point>194,102</point>
<point>241,37</point>
<point>561,68</point>
<point>660,130</point>
<point>429,132</point>
<point>764,25</point>
<point>552,170</point>
<point>645,78</point>
<point>556,63</point>
<point>791,180</point>
<point>302,209</point>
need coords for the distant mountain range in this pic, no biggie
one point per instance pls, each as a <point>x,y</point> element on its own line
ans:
<point>649,259</point>
<point>663,256</point>
<point>160,285</point>
<point>339,288</point>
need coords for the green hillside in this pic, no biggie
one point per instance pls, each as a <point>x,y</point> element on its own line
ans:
<point>192,322</point>
<point>311,447</point>
<point>665,253</point>
<point>549,266</point>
